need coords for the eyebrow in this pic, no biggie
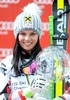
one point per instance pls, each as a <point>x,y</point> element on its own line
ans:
<point>25,32</point>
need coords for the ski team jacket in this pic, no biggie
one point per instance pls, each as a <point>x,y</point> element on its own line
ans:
<point>7,76</point>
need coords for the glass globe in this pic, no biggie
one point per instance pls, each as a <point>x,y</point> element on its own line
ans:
<point>53,63</point>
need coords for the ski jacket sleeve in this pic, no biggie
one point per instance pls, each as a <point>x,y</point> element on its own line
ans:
<point>5,67</point>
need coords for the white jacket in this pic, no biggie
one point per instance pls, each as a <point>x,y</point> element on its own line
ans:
<point>6,74</point>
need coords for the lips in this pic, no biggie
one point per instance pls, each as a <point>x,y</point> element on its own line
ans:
<point>28,44</point>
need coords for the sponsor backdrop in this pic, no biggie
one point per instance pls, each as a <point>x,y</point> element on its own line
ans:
<point>9,9</point>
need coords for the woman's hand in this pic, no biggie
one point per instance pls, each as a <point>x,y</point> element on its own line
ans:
<point>38,84</point>
<point>36,87</point>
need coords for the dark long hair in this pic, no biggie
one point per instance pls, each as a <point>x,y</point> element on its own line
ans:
<point>17,52</point>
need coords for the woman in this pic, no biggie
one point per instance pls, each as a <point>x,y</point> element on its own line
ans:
<point>18,70</point>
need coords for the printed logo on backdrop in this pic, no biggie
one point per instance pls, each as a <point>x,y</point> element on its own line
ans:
<point>6,3</point>
<point>5,26</point>
<point>45,26</point>
<point>5,52</point>
<point>42,4</point>
<point>45,2</point>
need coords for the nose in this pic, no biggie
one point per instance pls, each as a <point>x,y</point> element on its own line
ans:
<point>27,37</point>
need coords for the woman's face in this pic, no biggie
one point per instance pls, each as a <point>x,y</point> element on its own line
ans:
<point>28,39</point>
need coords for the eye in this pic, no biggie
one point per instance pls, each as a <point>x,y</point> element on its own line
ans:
<point>22,33</point>
<point>32,34</point>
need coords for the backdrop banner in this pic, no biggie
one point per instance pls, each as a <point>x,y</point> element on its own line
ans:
<point>9,9</point>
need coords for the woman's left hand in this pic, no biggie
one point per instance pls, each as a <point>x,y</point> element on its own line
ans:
<point>38,84</point>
